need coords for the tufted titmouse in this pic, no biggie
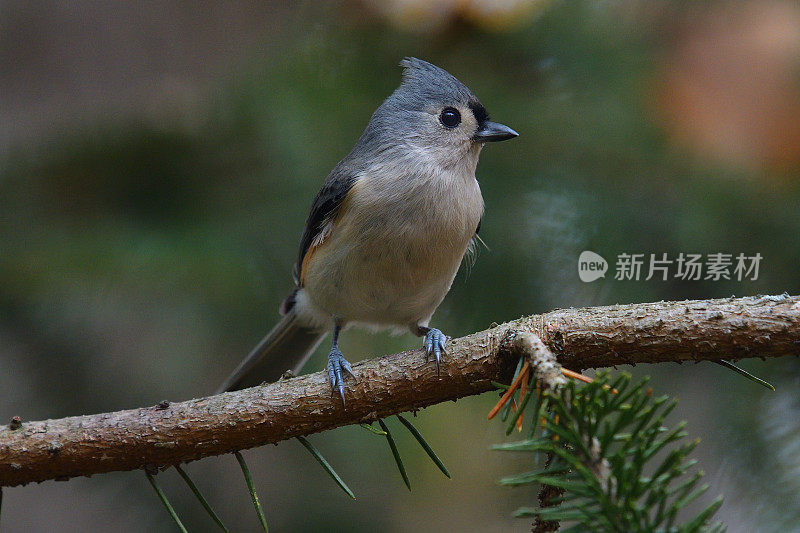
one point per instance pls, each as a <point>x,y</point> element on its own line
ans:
<point>389,228</point>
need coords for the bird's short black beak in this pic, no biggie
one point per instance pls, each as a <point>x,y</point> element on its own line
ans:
<point>493,132</point>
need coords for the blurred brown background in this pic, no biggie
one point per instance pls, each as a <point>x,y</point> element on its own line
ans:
<point>157,161</point>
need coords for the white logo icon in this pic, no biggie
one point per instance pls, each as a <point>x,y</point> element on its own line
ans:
<point>591,266</point>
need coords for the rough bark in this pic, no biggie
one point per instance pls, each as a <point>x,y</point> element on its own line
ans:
<point>168,434</point>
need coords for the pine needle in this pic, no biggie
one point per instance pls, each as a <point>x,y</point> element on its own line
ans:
<point>580,377</point>
<point>328,468</point>
<point>745,373</point>
<point>200,498</point>
<point>507,411</point>
<point>253,494</point>
<point>517,420</point>
<point>523,397</point>
<point>510,392</point>
<point>576,375</point>
<point>396,454</point>
<point>165,501</point>
<point>512,404</point>
<point>425,446</point>
<point>371,429</point>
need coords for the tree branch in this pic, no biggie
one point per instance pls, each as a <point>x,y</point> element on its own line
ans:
<point>164,435</point>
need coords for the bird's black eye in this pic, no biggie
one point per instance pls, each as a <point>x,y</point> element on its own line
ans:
<point>450,117</point>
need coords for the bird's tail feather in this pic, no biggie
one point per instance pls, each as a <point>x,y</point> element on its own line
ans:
<point>287,347</point>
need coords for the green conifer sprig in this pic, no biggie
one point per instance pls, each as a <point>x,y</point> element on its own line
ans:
<point>619,467</point>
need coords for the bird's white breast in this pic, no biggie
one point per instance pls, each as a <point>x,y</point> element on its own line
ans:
<point>397,243</point>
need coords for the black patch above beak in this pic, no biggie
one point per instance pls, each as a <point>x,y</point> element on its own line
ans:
<point>492,132</point>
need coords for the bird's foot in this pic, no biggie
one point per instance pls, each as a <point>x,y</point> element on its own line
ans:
<point>336,364</point>
<point>434,344</point>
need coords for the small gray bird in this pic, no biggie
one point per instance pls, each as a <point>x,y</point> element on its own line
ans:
<point>388,230</point>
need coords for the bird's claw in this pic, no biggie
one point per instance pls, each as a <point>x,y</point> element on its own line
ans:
<point>337,363</point>
<point>434,344</point>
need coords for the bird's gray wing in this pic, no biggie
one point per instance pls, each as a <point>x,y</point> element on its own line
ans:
<point>323,212</point>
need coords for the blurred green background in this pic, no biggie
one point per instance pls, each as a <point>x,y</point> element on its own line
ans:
<point>157,162</point>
